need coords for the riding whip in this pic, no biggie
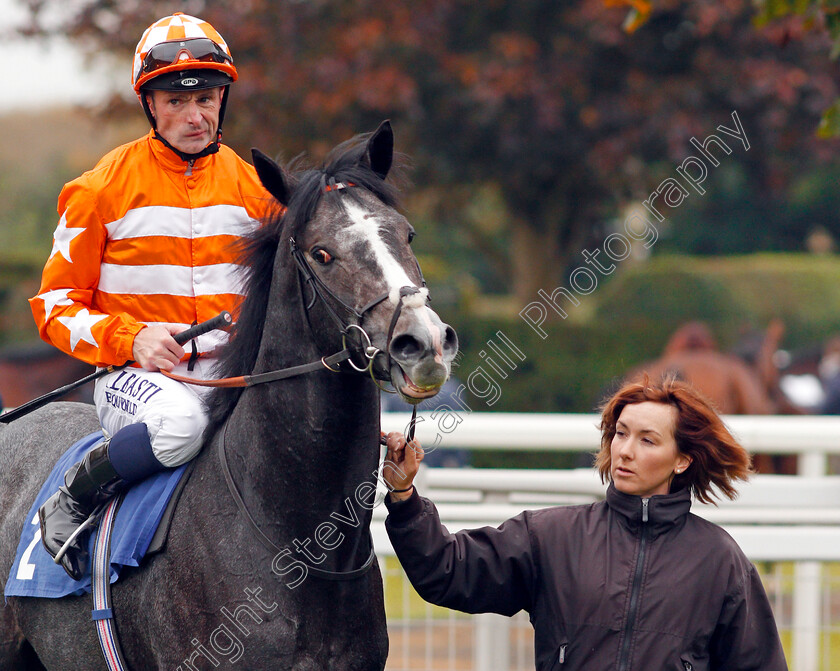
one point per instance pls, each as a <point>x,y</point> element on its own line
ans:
<point>220,321</point>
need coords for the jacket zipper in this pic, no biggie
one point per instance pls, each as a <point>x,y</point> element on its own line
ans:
<point>561,658</point>
<point>624,657</point>
<point>189,168</point>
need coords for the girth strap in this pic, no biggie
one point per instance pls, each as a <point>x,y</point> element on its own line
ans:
<point>102,614</point>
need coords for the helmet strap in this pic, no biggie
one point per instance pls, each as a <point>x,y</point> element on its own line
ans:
<point>222,108</point>
<point>211,148</point>
<point>147,110</point>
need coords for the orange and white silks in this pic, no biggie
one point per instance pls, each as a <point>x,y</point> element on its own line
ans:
<point>143,238</point>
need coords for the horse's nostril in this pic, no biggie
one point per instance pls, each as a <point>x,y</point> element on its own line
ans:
<point>450,341</point>
<point>406,347</point>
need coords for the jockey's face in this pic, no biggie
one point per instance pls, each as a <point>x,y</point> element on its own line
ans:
<point>643,454</point>
<point>188,120</point>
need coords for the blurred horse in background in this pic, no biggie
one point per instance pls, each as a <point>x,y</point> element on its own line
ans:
<point>733,385</point>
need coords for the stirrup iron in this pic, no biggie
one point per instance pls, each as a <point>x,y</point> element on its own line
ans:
<point>87,524</point>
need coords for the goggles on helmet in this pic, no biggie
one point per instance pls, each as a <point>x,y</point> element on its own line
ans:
<point>195,49</point>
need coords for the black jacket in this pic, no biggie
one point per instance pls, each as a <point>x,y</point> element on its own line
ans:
<point>626,584</point>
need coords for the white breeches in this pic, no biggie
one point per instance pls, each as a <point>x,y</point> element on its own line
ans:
<point>172,411</point>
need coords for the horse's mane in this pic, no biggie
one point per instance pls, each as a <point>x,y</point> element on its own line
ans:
<point>346,163</point>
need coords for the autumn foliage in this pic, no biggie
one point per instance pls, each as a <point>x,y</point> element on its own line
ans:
<point>567,111</point>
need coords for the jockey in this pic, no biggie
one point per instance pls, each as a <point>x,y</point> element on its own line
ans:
<point>142,250</point>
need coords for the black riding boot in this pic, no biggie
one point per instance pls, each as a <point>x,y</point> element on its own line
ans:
<point>87,485</point>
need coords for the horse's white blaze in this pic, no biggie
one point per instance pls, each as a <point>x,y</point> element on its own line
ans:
<point>366,227</point>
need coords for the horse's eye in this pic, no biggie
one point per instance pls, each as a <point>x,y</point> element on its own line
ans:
<point>321,256</point>
<point>411,235</point>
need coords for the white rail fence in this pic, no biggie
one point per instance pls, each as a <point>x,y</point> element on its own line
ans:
<point>775,519</point>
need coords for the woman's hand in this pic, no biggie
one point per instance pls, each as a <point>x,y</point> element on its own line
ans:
<point>402,461</point>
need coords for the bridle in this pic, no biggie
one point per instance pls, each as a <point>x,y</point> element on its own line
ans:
<point>321,291</point>
<point>332,363</point>
<point>349,330</point>
<point>364,346</point>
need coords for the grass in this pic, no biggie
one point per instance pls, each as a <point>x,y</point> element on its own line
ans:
<point>779,582</point>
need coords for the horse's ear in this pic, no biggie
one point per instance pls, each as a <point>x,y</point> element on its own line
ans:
<point>271,176</point>
<point>380,149</point>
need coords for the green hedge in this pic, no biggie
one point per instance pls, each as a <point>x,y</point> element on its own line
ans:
<point>625,322</point>
<point>632,316</point>
<point>730,293</point>
<point>629,319</point>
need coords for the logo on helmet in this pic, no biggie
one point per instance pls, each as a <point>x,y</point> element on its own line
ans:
<point>189,81</point>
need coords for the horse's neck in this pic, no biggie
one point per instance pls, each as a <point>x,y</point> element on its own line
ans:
<point>301,449</point>
<point>301,458</point>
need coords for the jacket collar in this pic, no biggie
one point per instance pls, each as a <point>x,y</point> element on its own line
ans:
<point>169,159</point>
<point>664,512</point>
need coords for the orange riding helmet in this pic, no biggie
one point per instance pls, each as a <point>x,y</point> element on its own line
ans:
<point>182,53</point>
<point>179,43</point>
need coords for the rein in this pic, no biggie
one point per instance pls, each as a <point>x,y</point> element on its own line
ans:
<point>322,291</point>
<point>267,542</point>
<point>319,289</point>
<point>271,376</point>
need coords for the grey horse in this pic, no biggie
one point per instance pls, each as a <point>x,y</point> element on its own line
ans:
<point>297,586</point>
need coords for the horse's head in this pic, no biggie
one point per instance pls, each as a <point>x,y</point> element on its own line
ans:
<point>353,252</point>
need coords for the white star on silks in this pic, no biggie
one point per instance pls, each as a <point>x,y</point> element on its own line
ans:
<point>53,298</point>
<point>62,238</point>
<point>80,326</point>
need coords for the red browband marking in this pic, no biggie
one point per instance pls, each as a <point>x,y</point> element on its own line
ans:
<point>338,186</point>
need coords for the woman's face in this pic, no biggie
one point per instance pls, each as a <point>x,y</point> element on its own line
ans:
<point>643,453</point>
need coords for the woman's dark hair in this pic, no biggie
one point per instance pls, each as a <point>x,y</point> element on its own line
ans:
<point>716,457</point>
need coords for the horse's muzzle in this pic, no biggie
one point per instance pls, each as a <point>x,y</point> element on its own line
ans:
<point>421,355</point>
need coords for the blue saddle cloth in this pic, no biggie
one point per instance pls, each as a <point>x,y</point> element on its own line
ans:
<point>34,573</point>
